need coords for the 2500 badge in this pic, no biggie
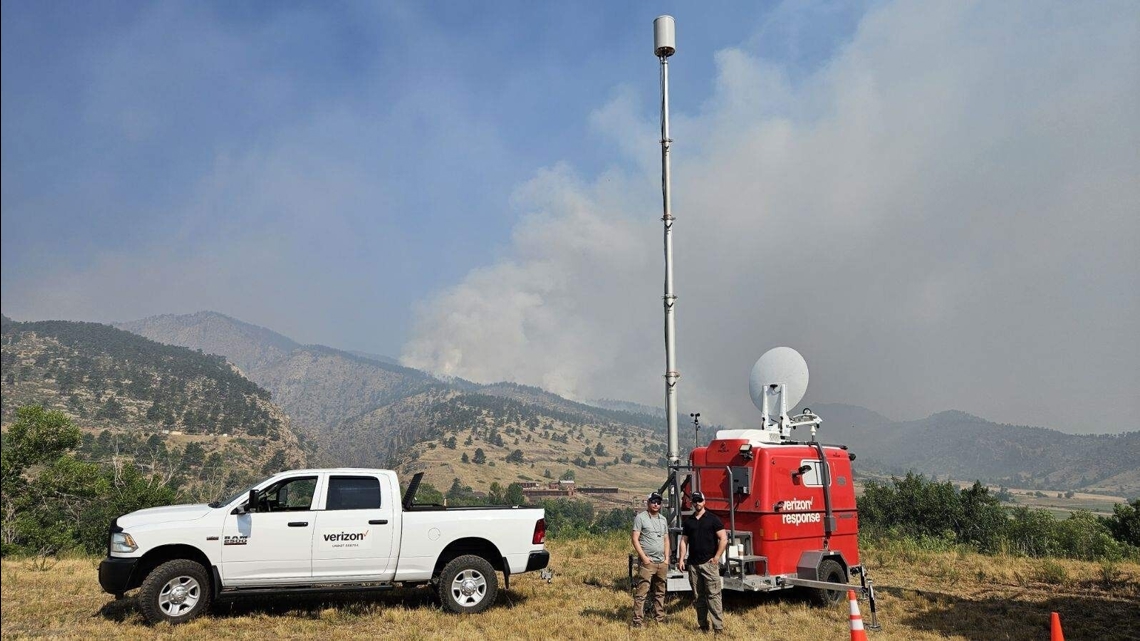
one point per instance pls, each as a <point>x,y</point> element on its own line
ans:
<point>239,539</point>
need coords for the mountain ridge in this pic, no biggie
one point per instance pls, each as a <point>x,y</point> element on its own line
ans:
<point>960,445</point>
<point>317,385</point>
<point>334,393</point>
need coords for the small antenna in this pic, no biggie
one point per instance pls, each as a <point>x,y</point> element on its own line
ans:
<point>664,36</point>
<point>696,429</point>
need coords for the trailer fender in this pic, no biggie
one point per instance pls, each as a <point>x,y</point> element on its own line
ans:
<point>808,565</point>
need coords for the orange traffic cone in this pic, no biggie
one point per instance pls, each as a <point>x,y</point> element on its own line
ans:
<point>857,633</point>
<point>1055,633</point>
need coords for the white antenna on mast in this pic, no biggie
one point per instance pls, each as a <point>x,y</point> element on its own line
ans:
<point>665,45</point>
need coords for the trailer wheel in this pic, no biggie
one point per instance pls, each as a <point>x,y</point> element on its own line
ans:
<point>831,571</point>
<point>175,592</point>
<point>468,584</point>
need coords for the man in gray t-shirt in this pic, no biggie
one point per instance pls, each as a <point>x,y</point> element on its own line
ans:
<point>651,541</point>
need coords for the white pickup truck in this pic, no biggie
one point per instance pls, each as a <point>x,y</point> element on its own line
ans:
<point>318,530</point>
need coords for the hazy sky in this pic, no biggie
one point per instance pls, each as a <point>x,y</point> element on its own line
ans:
<point>937,203</point>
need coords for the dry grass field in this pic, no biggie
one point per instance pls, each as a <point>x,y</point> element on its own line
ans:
<point>922,595</point>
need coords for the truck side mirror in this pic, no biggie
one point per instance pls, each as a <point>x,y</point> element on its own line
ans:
<point>252,506</point>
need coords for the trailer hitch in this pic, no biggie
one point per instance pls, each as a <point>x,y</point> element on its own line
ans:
<point>866,587</point>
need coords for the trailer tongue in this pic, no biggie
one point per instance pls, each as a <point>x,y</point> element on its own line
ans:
<point>789,505</point>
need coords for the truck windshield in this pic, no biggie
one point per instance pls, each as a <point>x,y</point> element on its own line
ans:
<point>233,498</point>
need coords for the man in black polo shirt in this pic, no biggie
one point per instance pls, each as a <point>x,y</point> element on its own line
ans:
<point>703,540</point>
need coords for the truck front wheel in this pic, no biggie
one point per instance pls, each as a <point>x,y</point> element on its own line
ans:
<point>175,592</point>
<point>468,584</point>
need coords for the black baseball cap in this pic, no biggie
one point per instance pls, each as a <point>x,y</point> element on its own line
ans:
<point>697,497</point>
<point>654,497</point>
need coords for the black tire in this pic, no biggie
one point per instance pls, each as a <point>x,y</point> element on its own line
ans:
<point>468,584</point>
<point>175,592</point>
<point>831,571</point>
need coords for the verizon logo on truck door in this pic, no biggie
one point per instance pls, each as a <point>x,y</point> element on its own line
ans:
<point>800,506</point>
<point>345,539</point>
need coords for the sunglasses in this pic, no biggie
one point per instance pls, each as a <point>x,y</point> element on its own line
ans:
<point>698,500</point>
<point>655,502</point>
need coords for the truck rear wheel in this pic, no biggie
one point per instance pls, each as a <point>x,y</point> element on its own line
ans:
<point>831,571</point>
<point>468,584</point>
<point>175,592</point>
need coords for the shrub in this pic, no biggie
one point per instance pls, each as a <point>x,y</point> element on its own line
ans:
<point>1082,536</point>
<point>933,515</point>
<point>1032,532</point>
<point>1124,524</point>
<point>1050,571</point>
<point>1110,574</point>
<point>916,507</point>
<point>615,520</point>
<point>568,517</point>
<point>64,503</point>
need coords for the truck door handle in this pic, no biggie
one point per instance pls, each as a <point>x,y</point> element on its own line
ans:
<point>378,522</point>
<point>298,523</point>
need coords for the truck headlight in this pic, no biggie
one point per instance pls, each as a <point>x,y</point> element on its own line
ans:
<point>123,542</point>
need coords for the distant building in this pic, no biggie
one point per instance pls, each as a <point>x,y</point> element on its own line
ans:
<point>549,491</point>
<point>598,490</point>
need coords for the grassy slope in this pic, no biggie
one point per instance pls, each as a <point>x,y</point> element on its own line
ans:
<point>922,595</point>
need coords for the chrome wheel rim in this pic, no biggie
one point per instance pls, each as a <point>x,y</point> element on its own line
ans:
<point>179,596</point>
<point>469,588</point>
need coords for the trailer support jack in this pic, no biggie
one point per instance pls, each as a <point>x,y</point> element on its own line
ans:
<point>869,591</point>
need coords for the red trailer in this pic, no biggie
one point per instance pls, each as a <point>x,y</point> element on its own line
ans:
<point>789,508</point>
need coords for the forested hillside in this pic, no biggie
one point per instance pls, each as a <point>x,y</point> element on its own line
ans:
<point>187,417</point>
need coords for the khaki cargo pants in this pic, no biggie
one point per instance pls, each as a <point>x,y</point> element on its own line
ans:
<point>705,579</point>
<point>652,575</point>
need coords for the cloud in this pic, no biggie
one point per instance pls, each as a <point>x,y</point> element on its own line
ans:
<point>523,318</point>
<point>944,215</point>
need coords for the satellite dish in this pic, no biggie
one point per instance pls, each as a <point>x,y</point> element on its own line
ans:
<point>778,365</point>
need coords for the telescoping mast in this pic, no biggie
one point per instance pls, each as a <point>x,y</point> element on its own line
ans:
<point>789,506</point>
<point>664,46</point>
